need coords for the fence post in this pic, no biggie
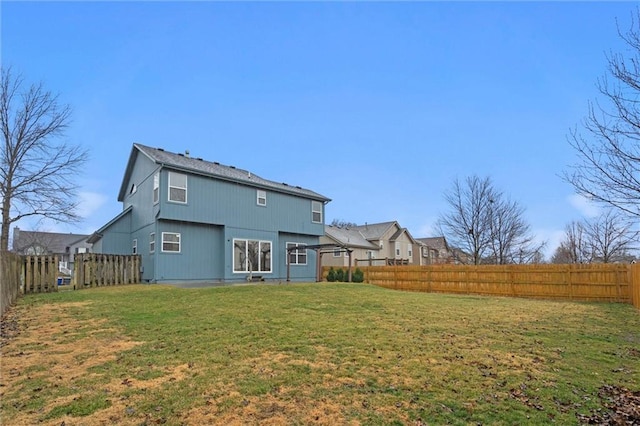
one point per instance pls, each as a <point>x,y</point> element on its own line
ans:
<point>634,283</point>
<point>570,290</point>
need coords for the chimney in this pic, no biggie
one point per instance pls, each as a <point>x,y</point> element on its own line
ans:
<point>186,153</point>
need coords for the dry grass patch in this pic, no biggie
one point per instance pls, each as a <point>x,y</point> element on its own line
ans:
<point>309,354</point>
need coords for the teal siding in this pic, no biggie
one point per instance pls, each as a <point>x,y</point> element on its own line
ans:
<point>201,256</point>
<point>217,211</point>
<point>142,199</point>
<point>232,204</point>
<point>117,238</point>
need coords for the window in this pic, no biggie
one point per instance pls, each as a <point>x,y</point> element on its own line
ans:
<point>261,197</point>
<point>171,242</point>
<point>152,242</point>
<point>316,211</point>
<point>397,249</point>
<point>409,251</point>
<point>299,255</point>
<point>177,187</point>
<point>251,256</point>
<point>134,248</point>
<point>337,252</point>
<point>80,250</point>
<point>156,187</point>
<point>133,189</point>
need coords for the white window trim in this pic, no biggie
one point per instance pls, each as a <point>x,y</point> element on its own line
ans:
<point>169,187</point>
<point>134,248</point>
<point>156,188</point>
<point>261,197</point>
<point>179,242</point>
<point>297,253</point>
<point>152,242</point>
<point>260,242</point>
<point>314,205</point>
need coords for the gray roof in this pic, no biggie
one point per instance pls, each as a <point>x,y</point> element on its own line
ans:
<point>212,169</point>
<point>350,237</point>
<point>375,231</point>
<point>439,243</point>
<point>51,242</point>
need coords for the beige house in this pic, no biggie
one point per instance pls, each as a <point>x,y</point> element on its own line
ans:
<point>436,250</point>
<point>374,244</point>
<point>65,246</point>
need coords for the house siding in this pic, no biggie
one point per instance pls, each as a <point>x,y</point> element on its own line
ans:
<point>201,255</point>
<point>218,209</point>
<point>117,237</point>
<point>233,204</point>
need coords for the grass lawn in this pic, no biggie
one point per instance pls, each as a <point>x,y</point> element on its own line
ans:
<point>309,354</point>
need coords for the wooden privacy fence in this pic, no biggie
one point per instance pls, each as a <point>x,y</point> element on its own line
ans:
<point>591,282</point>
<point>96,270</point>
<point>10,270</point>
<point>39,274</point>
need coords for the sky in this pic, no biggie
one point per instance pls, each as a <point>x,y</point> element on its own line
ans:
<point>379,106</point>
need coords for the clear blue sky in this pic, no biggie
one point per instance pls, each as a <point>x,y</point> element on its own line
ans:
<point>377,105</point>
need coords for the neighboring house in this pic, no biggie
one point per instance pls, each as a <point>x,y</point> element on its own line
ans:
<point>65,246</point>
<point>372,244</point>
<point>436,250</point>
<point>195,220</point>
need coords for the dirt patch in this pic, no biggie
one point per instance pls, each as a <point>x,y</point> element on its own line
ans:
<point>45,348</point>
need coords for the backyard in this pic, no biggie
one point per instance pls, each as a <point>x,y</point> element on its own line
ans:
<point>314,354</point>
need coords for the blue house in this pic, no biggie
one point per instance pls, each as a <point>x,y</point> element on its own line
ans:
<point>195,220</point>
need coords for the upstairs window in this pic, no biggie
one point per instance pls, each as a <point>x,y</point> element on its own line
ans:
<point>316,212</point>
<point>134,248</point>
<point>297,256</point>
<point>156,187</point>
<point>409,251</point>
<point>261,197</point>
<point>152,242</point>
<point>397,249</point>
<point>177,187</point>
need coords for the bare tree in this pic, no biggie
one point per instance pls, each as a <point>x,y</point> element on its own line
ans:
<point>607,238</point>
<point>574,248</point>
<point>38,169</point>
<point>608,170</point>
<point>610,237</point>
<point>486,224</point>
<point>511,240</point>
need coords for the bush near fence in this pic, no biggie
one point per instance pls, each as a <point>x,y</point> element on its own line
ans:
<point>589,282</point>
<point>10,270</point>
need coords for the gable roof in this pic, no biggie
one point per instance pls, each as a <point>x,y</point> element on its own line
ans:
<point>350,237</point>
<point>438,243</point>
<point>375,231</point>
<point>216,170</point>
<point>52,242</point>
